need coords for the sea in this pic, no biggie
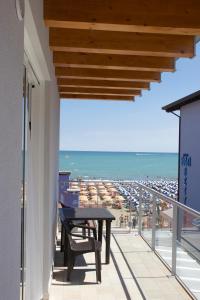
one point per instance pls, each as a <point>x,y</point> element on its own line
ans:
<point>119,165</point>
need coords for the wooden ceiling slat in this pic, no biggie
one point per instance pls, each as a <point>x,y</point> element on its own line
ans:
<point>97,90</point>
<point>65,82</point>
<point>97,94</point>
<point>91,97</point>
<point>106,61</point>
<point>153,16</point>
<point>121,75</point>
<point>126,43</point>
<point>113,49</point>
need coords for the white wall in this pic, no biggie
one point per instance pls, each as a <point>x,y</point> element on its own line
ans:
<point>11,79</point>
<point>35,199</point>
<point>51,180</point>
<point>190,144</point>
<point>43,157</point>
<point>43,179</point>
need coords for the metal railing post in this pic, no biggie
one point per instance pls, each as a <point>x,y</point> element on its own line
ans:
<point>140,212</point>
<point>174,237</point>
<point>153,241</point>
<point>130,223</point>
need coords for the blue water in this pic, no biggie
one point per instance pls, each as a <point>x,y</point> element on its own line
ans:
<point>119,165</point>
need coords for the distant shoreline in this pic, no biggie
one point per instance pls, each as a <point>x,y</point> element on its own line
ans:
<point>110,151</point>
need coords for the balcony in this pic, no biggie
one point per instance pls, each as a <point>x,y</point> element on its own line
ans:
<point>159,259</point>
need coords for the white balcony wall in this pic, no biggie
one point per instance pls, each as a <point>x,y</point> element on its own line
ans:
<point>43,175</point>
<point>42,191</point>
<point>43,155</point>
<point>11,79</point>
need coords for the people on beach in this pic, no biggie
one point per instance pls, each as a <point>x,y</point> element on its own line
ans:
<point>134,222</point>
<point>121,220</point>
<point>126,220</point>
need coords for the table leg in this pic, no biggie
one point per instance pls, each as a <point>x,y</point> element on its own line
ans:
<point>100,230</point>
<point>65,250</point>
<point>108,233</point>
<point>62,238</point>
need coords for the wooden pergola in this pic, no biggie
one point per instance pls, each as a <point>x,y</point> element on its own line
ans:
<point>113,49</point>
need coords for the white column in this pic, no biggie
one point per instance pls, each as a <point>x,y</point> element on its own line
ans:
<point>51,148</point>
<point>11,85</point>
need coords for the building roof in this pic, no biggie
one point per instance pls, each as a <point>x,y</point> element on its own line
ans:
<point>176,105</point>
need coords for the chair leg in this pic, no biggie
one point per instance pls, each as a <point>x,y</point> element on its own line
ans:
<point>62,238</point>
<point>98,265</point>
<point>65,257</point>
<point>97,271</point>
<point>66,247</point>
<point>84,231</point>
<point>70,266</point>
<point>95,233</point>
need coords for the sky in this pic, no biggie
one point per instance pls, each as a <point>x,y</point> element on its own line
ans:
<point>140,126</point>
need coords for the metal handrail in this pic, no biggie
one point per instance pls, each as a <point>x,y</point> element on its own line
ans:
<point>150,190</point>
<point>169,200</point>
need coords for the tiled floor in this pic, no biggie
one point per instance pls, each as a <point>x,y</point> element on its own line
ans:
<point>187,266</point>
<point>136,274</point>
<point>154,279</point>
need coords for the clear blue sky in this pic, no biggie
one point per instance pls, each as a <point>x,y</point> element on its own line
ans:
<point>130,126</point>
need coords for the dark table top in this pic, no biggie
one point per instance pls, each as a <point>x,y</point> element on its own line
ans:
<point>85,214</point>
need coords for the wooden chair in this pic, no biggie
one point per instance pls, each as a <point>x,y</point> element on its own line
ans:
<point>90,225</point>
<point>75,248</point>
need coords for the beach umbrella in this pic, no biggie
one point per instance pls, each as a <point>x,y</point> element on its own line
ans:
<point>106,197</point>
<point>92,187</point>
<point>93,192</point>
<point>104,192</point>
<point>119,197</point>
<point>112,189</point>
<point>108,184</point>
<point>100,188</point>
<point>83,198</point>
<point>84,193</point>
<point>84,188</point>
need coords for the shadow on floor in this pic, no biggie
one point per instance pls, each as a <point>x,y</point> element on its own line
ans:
<point>78,274</point>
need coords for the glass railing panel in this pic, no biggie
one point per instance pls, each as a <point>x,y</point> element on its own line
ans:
<point>146,217</point>
<point>188,251</point>
<point>163,235</point>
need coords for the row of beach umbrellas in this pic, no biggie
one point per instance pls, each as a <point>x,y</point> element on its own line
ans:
<point>101,193</point>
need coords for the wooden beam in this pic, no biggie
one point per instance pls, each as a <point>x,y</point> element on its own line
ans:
<point>126,43</point>
<point>99,90</point>
<point>91,97</point>
<point>97,94</point>
<point>153,16</point>
<point>100,74</point>
<point>125,85</point>
<point>118,62</point>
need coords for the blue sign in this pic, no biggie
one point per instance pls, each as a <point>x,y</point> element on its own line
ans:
<point>186,161</point>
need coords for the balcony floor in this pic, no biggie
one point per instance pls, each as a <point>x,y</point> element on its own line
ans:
<point>134,272</point>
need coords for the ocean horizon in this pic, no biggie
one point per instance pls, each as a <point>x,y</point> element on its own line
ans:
<point>122,165</point>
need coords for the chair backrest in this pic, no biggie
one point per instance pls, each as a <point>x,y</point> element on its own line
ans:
<point>63,205</point>
<point>71,242</point>
<point>68,226</point>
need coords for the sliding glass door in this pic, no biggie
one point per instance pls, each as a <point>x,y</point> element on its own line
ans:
<point>26,136</point>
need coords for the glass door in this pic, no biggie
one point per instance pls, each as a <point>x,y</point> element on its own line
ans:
<point>26,137</point>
